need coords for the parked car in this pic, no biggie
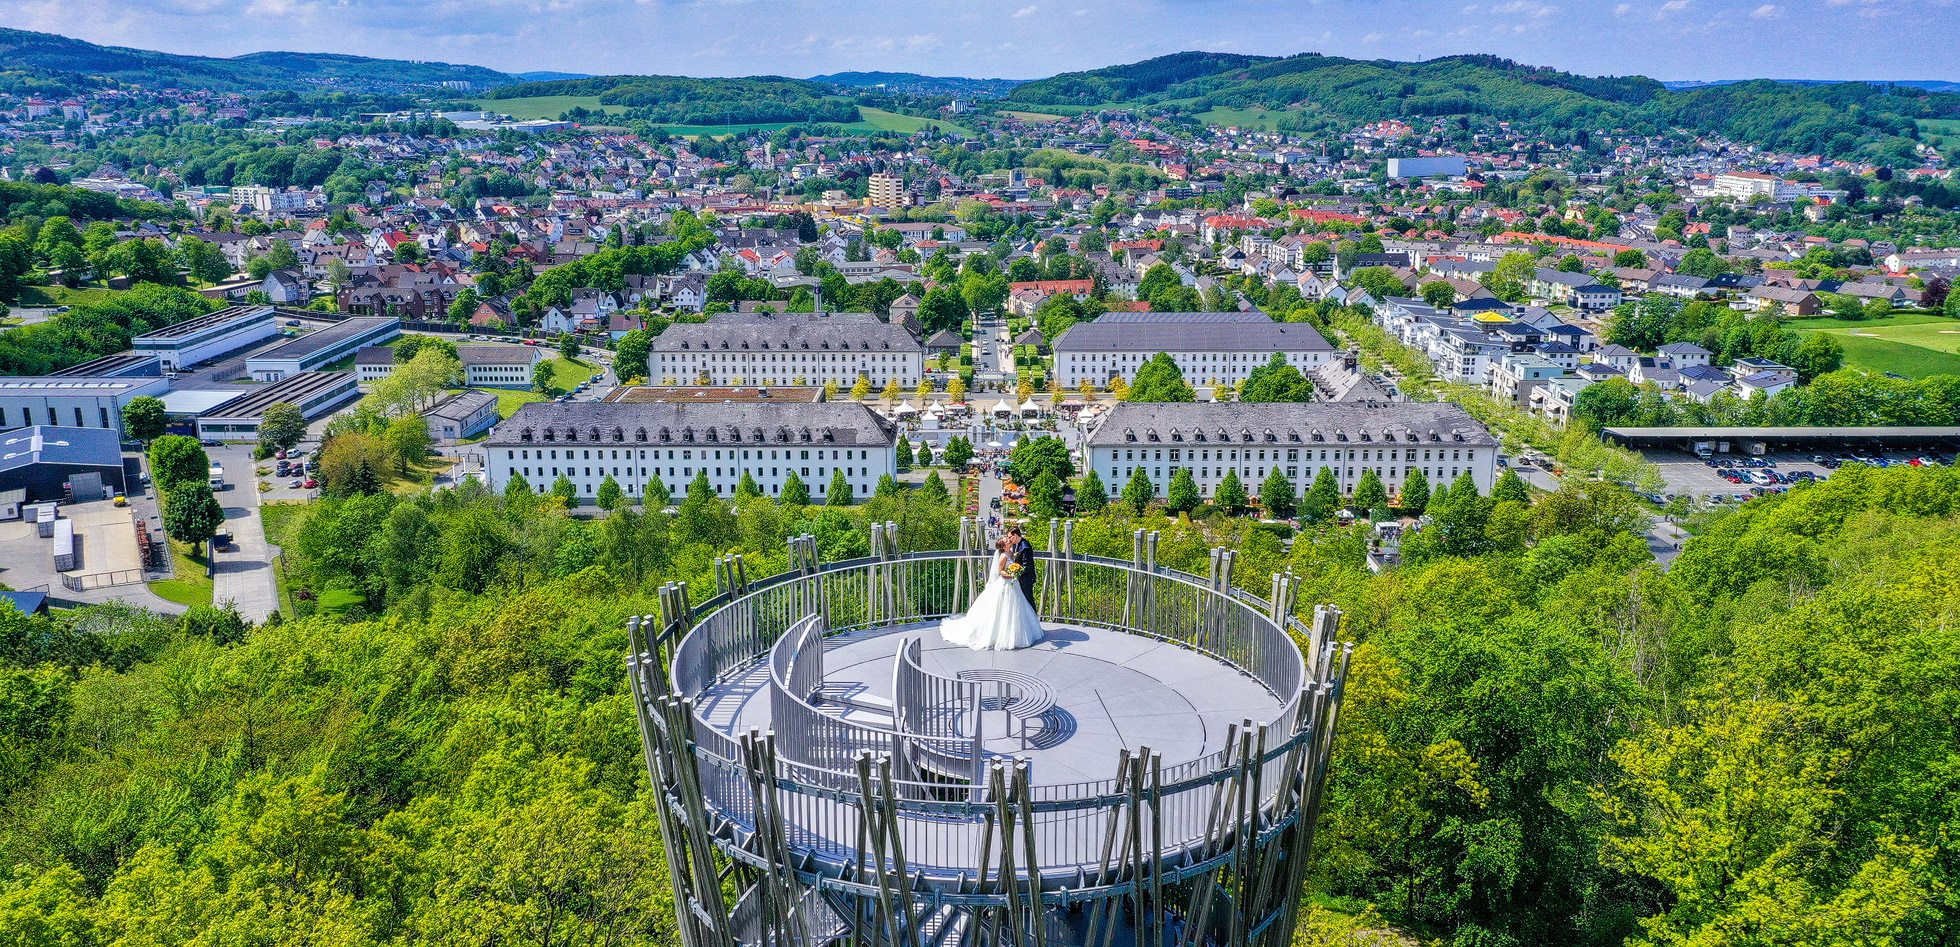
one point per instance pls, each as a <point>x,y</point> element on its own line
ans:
<point>211,443</point>
<point>311,483</point>
<point>292,323</point>
<point>295,484</point>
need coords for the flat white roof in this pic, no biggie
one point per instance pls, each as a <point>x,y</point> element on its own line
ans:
<point>198,400</point>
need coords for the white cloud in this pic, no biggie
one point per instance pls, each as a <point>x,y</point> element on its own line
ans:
<point>1025,11</point>
<point>1524,8</point>
<point>1671,7</point>
<point>1768,11</point>
<point>1623,9</point>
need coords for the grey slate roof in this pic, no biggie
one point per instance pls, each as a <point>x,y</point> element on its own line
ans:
<point>459,406</point>
<point>1192,335</point>
<point>684,424</point>
<point>797,331</point>
<point>1683,348</point>
<point>375,355</point>
<point>1182,318</point>
<point>1290,424</point>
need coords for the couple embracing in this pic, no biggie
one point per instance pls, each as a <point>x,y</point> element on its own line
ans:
<point>1002,617</point>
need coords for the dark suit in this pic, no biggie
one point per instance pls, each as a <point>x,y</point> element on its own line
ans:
<point>1023,553</point>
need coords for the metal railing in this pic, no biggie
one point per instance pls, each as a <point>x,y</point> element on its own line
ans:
<point>817,749</point>
<point>101,580</point>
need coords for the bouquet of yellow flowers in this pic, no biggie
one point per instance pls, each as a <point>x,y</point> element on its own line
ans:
<point>1013,570</point>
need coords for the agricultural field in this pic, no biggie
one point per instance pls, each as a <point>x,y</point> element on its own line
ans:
<point>1242,118</point>
<point>540,106</point>
<point>1033,117</point>
<point>1914,344</point>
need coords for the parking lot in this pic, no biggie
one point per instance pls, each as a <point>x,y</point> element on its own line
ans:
<point>1688,474</point>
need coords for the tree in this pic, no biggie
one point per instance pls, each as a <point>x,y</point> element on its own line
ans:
<point>1182,497</point>
<point>1818,354</point>
<point>892,392</point>
<point>1230,495</point>
<point>1160,380</point>
<point>1415,492</point>
<point>959,452</point>
<point>1570,263</point>
<point>1276,495</point>
<point>956,390</point>
<point>1439,293</point>
<point>795,491</point>
<point>632,355</point>
<point>1380,281</point>
<point>1511,275</point>
<point>565,491</point>
<point>904,457</point>
<point>1322,499</point>
<point>541,376</point>
<point>942,308</point>
<point>408,443</point>
<point>1138,493</point>
<point>658,497</point>
<point>1091,496</point>
<point>1511,487</point>
<point>568,347</point>
<point>839,493</point>
<point>887,487</point>
<point>176,459</point>
<point>861,388</point>
<point>1045,496</point>
<point>205,262</point>
<point>517,486</point>
<point>1033,456</point>
<point>191,513</point>
<point>746,488</point>
<point>1630,258</point>
<point>143,419</point>
<point>282,425</point>
<point>933,491</point>
<point>1277,380</point>
<point>1369,494</point>
<point>1607,403</point>
<point>924,456</point>
<point>611,497</point>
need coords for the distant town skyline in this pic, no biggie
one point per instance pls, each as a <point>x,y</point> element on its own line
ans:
<point>1664,39</point>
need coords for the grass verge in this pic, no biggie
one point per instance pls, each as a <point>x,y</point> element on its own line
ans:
<point>191,586</point>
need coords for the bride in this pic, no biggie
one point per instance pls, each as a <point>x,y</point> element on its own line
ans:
<point>1001,619</point>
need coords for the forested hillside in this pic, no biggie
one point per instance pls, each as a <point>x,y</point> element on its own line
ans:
<point>681,100</point>
<point>1842,119</point>
<point>84,64</point>
<point>1547,740</point>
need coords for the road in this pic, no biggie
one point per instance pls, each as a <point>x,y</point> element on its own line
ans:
<point>243,574</point>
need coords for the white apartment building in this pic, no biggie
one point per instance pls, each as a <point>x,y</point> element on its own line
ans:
<point>1207,346</point>
<point>1390,438</point>
<point>797,348</point>
<point>634,442</point>
<point>203,338</point>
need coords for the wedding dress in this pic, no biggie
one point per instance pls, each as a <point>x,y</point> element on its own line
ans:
<point>1001,618</point>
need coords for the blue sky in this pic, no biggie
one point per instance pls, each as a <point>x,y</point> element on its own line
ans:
<point>1666,39</point>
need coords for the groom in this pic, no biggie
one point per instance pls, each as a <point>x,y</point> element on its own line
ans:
<point>1023,553</point>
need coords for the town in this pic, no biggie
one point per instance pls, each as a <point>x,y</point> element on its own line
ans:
<point>1592,412</point>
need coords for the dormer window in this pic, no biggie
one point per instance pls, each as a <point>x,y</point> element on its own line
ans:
<point>805,435</point>
<point>1129,435</point>
<point>618,435</point>
<point>713,437</point>
<point>687,435</point>
<point>549,435</point>
<point>1177,435</point>
<point>640,435</point>
<point>524,435</point>
<point>666,436</point>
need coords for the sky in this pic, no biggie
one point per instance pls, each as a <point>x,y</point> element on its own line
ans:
<point>1665,39</point>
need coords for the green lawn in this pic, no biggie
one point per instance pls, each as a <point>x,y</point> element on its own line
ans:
<point>336,601</point>
<point>1896,319</point>
<point>567,375</point>
<point>1033,116</point>
<point>190,585</point>
<point>509,401</point>
<point>1913,344</point>
<point>1945,126</point>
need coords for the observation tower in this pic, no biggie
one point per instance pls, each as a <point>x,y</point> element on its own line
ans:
<point>829,771</point>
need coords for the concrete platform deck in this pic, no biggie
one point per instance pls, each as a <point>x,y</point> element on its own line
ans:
<point>1112,691</point>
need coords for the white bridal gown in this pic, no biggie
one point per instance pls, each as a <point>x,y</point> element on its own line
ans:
<point>1001,619</point>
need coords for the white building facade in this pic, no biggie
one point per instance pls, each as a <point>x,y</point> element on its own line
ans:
<point>774,349</point>
<point>1391,438</point>
<point>634,442</point>
<point>1206,349</point>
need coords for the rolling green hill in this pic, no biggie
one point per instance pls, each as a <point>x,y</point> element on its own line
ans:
<point>1311,90</point>
<point>83,64</point>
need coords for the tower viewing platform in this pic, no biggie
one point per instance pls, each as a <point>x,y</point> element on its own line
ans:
<point>1149,771</point>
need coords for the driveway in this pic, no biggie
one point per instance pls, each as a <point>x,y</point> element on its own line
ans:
<point>243,574</point>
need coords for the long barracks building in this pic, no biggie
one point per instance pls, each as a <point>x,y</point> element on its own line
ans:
<point>1390,438</point>
<point>635,441</point>
<point>795,348</point>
